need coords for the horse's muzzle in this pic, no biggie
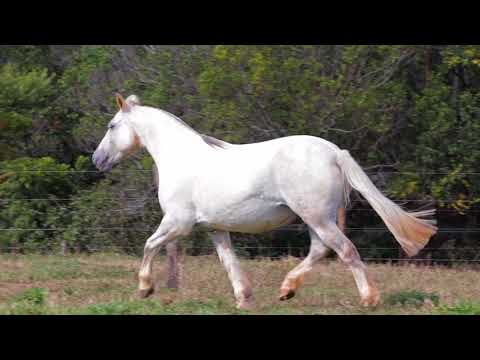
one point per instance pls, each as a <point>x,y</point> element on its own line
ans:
<point>102,161</point>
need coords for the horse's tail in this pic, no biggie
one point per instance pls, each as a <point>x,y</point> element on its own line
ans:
<point>412,232</point>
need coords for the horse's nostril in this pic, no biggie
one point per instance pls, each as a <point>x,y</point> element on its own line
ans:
<point>98,159</point>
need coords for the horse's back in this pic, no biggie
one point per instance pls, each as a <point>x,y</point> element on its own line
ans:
<point>300,155</point>
<point>297,145</point>
<point>249,188</point>
<point>293,140</point>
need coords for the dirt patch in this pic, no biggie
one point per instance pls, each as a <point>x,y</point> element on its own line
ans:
<point>9,290</point>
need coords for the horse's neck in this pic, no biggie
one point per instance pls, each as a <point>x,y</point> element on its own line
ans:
<point>170,143</point>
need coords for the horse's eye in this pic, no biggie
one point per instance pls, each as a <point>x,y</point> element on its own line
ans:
<point>111,126</point>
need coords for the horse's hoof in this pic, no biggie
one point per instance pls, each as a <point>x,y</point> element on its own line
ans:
<point>286,294</point>
<point>371,301</point>
<point>245,305</point>
<point>145,293</point>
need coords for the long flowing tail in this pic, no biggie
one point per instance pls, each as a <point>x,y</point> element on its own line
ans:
<point>412,232</point>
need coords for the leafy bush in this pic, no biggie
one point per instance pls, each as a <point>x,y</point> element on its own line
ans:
<point>400,109</point>
<point>34,192</point>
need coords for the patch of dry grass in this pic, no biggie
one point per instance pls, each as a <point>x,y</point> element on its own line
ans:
<point>83,284</point>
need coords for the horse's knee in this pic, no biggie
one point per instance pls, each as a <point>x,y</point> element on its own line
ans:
<point>317,255</point>
<point>349,254</point>
<point>170,228</point>
<point>345,249</point>
<point>165,238</point>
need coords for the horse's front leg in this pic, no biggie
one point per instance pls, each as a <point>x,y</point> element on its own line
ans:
<point>170,229</point>
<point>240,283</point>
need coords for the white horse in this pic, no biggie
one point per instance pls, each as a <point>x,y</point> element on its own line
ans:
<point>252,188</point>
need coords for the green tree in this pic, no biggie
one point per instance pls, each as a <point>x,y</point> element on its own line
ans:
<point>33,194</point>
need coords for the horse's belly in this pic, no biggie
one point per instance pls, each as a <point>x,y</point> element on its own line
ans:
<point>253,216</point>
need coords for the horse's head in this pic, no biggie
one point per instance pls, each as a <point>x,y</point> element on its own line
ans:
<point>121,140</point>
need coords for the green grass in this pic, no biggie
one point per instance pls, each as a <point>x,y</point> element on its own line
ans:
<point>412,297</point>
<point>29,302</point>
<point>463,308</point>
<point>105,284</point>
<point>71,268</point>
<point>49,267</point>
<point>143,307</point>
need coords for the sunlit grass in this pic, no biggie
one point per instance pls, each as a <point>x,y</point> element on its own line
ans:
<point>105,284</point>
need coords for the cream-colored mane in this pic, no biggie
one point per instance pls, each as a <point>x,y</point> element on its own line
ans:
<point>210,140</point>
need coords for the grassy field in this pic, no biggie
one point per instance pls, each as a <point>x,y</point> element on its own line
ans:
<point>106,284</point>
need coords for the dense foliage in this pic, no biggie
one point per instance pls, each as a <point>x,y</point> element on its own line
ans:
<point>408,114</point>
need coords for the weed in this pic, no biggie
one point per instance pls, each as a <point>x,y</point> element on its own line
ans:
<point>33,296</point>
<point>412,297</point>
<point>463,308</point>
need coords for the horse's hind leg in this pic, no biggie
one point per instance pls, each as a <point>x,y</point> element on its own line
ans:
<point>295,277</point>
<point>172,256</point>
<point>317,251</point>
<point>240,283</point>
<point>336,240</point>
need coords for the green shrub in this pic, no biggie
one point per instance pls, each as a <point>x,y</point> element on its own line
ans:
<point>412,297</point>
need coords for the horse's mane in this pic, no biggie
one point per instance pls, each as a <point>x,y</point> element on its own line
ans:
<point>209,140</point>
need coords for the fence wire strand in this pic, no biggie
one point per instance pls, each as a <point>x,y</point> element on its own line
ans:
<point>259,248</point>
<point>370,173</point>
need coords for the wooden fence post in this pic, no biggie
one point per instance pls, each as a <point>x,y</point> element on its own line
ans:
<point>14,248</point>
<point>63,248</point>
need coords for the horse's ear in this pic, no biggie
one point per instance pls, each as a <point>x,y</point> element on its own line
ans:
<point>122,104</point>
<point>133,100</point>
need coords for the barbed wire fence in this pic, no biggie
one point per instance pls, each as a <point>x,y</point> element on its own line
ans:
<point>448,255</point>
